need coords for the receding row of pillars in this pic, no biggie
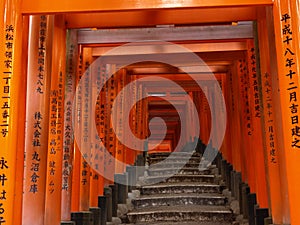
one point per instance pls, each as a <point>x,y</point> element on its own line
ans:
<point>240,191</point>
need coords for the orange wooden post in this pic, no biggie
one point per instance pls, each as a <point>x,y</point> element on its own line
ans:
<point>85,169</point>
<point>111,142</point>
<point>204,118</point>
<point>37,116</point>
<point>256,136</point>
<point>286,24</point>
<point>241,92</point>
<point>96,179</point>
<point>120,154</point>
<point>129,97</point>
<point>56,124</point>
<point>68,139</point>
<point>227,92</point>
<point>196,100</point>
<point>270,136</point>
<point>11,88</point>
<point>21,135</point>
<point>77,154</point>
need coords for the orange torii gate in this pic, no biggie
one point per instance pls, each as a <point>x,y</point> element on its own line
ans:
<point>279,89</point>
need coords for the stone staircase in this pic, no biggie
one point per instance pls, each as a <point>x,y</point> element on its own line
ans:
<point>175,191</point>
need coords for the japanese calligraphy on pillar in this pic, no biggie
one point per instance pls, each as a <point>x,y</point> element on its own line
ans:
<point>244,82</point>
<point>111,69</point>
<point>85,121</point>
<point>231,91</point>
<point>254,83</point>
<point>5,111</point>
<point>291,76</point>
<point>5,81</point>
<point>36,143</point>
<point>269,119</point>
<point>41,55</point>
<point>56,129</point>
<point>68,139</point>
<point>3,180</point>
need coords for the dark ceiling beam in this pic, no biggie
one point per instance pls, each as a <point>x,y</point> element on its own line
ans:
<point>191,33</point>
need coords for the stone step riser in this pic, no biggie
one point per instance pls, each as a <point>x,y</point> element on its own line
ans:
<point>180,190</point>
<point>175,171</point>
<point>178,201</point>
<point>176,160</point>
<point>180,180</point>
<point>181,216</point>
<point>174,165</point>
<point>174,154</point>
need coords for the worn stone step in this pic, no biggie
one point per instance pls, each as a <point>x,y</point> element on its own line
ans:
<point>179,199</point>
<point>184,170</point>
<point>174,165</point>
<point>186,213</point>
<point>173,159</point>
<point>181,178</point>
<point>179,188</point>
<point>167,154</point>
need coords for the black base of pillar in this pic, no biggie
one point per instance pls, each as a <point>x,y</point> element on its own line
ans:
<point>237,183</point>
<point>103,206</point>
<point>96,215</point>
<point>114,194</point>
<point>132,177</point>
<point>268,221</point>
<point>67,223</point>
<point>260,215</point>
<point>108,195</point>
<point>244,191</point>
<point>82,218</point>
<point>121,180</point>
<point>251,207</point>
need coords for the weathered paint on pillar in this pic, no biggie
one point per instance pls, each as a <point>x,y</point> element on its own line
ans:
<point>68,139</point>
<point>56,124</point>
<point>37,117</point>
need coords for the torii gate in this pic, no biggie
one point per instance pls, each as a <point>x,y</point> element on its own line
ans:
<point>279,63</point>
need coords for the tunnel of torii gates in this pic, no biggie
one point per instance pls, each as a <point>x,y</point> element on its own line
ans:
<point>251,46</point>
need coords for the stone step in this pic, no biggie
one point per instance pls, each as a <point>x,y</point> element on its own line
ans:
<point>173,159</point>
<point>179,199</point>
<point>180,178</point>
<point>178,165</point>
<point>167,154</point>
<point>180,188</point>
<point>185,170</point>
<point>186,213</point>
